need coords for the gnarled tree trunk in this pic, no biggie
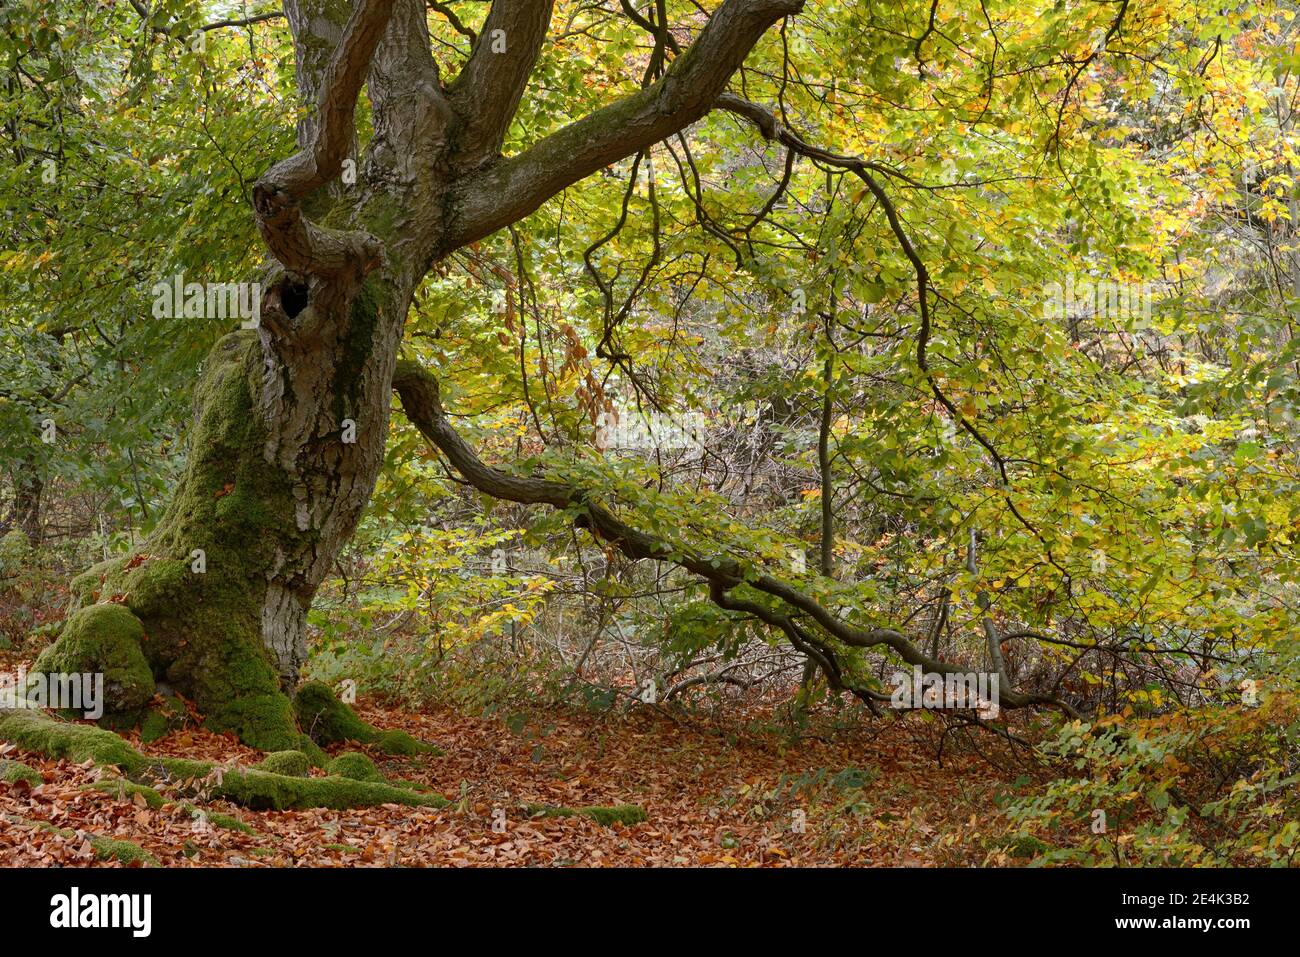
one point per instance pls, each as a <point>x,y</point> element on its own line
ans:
<point>291,418</point>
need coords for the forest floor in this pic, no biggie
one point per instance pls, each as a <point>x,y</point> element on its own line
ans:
<point>741,792</point>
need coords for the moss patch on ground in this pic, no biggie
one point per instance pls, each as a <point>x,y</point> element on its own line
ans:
<point>125,790</point>
<point>105,848</point>
<point>14,771</point>
<point>626,814</point>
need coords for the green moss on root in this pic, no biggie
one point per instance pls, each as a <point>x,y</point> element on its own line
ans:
<point>327,720</point>
<point>262,721</point>
<point>316,756</point>
<point>354,765</point>
<point>260,790</point>
<point>114,848</point>
<point>626,814</point>
<point>400,743</point>
<point>103,639</point>
<point>13,771</point>
<point>204,629</point>
<point>295,764</point>
<point>275,792</point>
<point>125,790</point>
<point>155,725</point>
<point>35,731</point>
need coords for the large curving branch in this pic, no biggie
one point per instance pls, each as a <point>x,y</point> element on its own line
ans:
<point>506,191</point>
<point>487,91</point>
<point>302,246</point>
<point>421,401</point>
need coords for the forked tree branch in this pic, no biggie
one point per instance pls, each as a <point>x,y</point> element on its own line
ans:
<point>507,191</point>
<point>299,244</point>
<point>486,93</point>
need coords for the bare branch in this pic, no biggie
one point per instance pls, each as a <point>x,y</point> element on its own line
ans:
<point>456,24</point>
<point>421,400</point>
<point>146,15</point>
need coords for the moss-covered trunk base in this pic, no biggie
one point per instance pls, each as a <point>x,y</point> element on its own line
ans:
<point>282,458</point>
<point>186,606</point>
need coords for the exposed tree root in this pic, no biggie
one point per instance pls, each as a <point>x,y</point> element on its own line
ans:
<point>326,720</point>
<point>34,730</point>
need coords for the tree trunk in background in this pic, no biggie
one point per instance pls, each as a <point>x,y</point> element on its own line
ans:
<point>28,489</point>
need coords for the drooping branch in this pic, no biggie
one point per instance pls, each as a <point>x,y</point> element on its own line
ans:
<point>486,93</point>
<point>421,401</point>
<point>506,191</point>
<point>299,244</point>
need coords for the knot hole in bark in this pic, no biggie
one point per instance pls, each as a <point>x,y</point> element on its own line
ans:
<point>290,295</point>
